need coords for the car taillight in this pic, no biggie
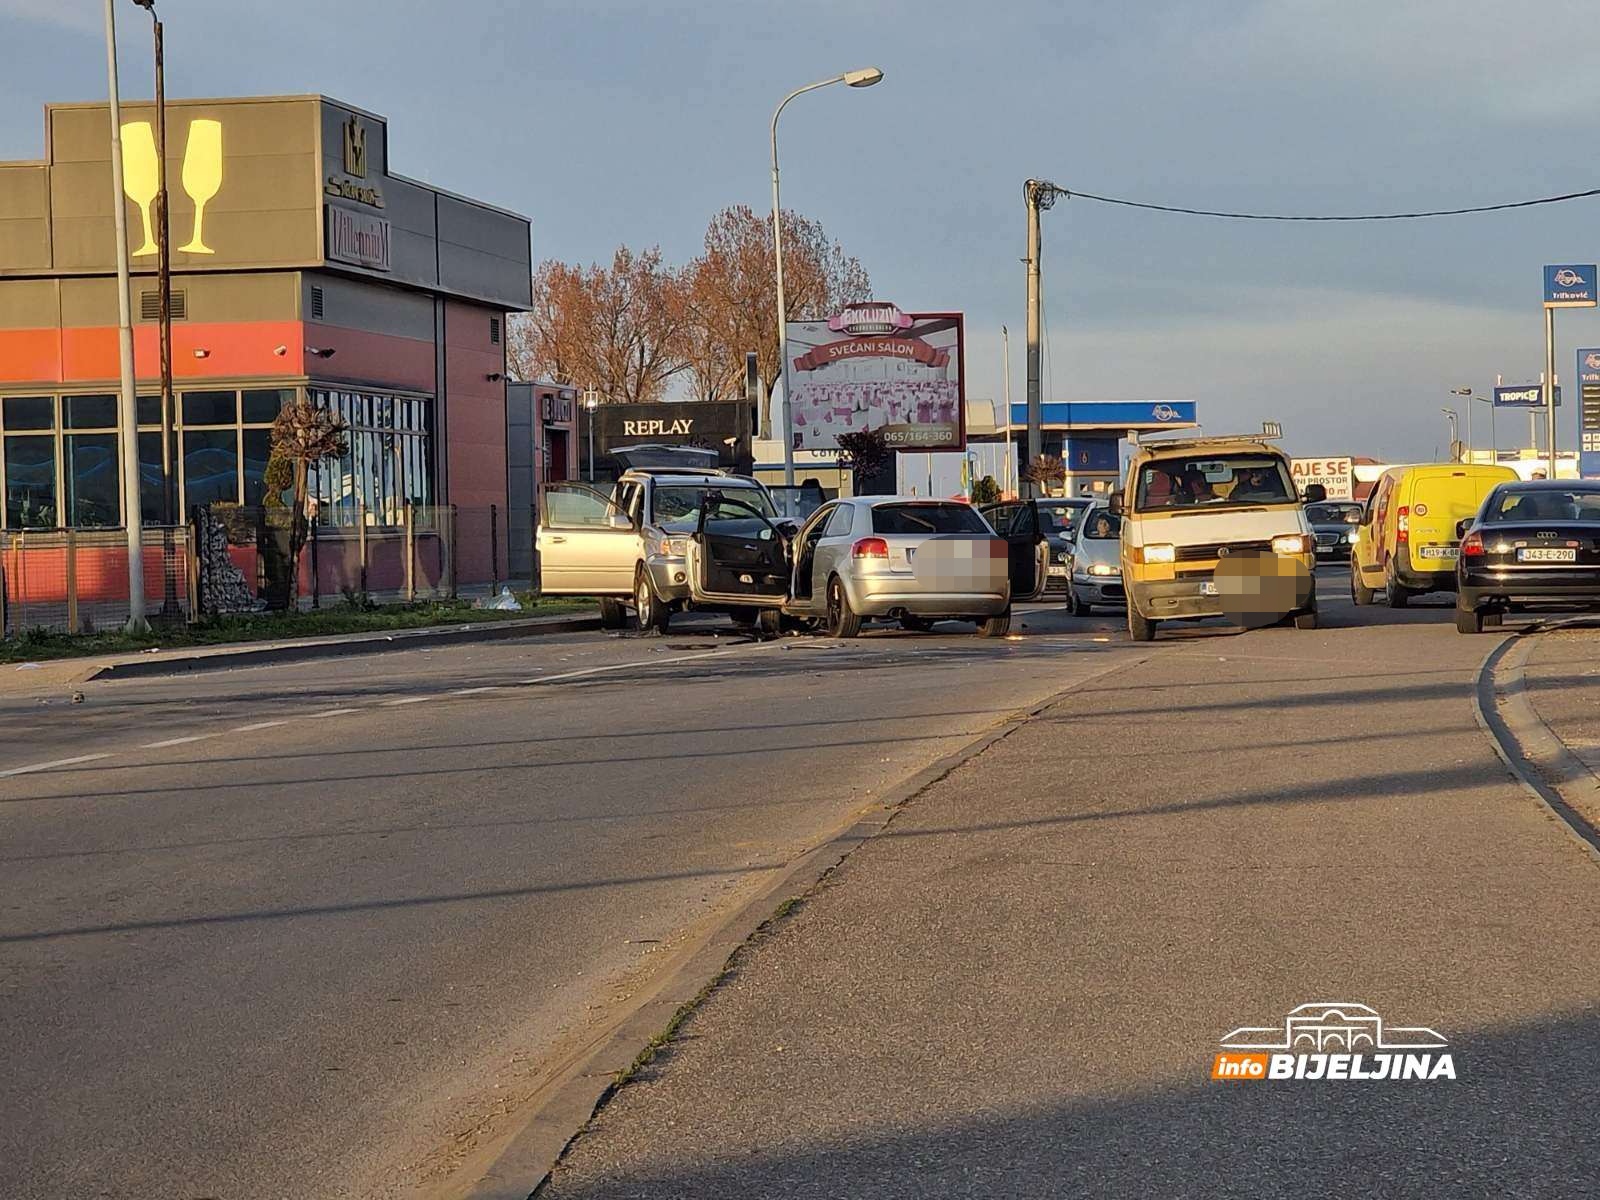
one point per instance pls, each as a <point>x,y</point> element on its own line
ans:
<point>1403,524</point>
<point>1472,544</point>
<point>870,548</point>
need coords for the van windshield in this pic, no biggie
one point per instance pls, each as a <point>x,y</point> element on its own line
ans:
<point>1213,482</point>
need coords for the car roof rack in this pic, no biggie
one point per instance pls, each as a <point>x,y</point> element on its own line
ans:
<point>1184,442</point>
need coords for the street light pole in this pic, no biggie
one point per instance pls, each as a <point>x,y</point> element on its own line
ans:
<point>865,77</point>
<point>169,488</point>
<point>1038,195</point>
<point>129,407</point>
<point>1453,416</point>
<point>591,401</point>
<point>1005,341</point>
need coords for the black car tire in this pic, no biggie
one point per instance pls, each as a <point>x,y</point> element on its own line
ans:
<point>1078,607</point>
<point>1469,620</point>
<point>1140,627</point>
<point>1396,593</point>
<point>613,613</point>
<point>996,626</point>
<point>842,620</point>
<point>1495,618</point>
<point>650,612</point>
<point>1360,594</point>
<point>769,622</point>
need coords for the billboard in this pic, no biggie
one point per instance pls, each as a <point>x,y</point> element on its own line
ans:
<point>1337,475</point>
<point>875,367</point>
<point>1589,416</point>
<point>1523,395</point>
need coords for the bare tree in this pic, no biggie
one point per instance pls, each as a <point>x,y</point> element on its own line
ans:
<point>618,329</point>
<point>304,435</point>
<point>733,292</point>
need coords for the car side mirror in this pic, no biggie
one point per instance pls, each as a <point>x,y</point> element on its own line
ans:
<point>1114,503</point>
<point>1462,526</point>
<point>1316,493</point>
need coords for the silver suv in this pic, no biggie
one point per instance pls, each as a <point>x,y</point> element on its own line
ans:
<point>628,546</point>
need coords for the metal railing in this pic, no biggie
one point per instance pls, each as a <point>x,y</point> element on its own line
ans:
<point>76,580</point>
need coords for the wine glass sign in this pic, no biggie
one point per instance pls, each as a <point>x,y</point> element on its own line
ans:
<point>141,175</point>
<point>202,176</point>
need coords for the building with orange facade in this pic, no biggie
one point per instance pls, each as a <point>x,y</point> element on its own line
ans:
<point>302,265</point>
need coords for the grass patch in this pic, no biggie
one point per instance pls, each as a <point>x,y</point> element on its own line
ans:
<point>351,616</point>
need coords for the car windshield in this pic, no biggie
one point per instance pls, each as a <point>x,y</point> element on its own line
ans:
<point>1543,504</point>
<point>1059,519</point>
<point>1102,526</point>
<point>677,506</point>
<point>1181,483</point>
<point>1333,514</point>
<point>926,518</point>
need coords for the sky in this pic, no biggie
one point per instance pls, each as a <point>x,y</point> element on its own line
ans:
<point>633,121</point>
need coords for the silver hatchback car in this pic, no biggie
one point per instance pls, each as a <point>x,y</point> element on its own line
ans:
<point>901,558</point>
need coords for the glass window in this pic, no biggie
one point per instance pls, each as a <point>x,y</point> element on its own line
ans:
<point>210,408</point>
<point>677,508</point>
<point>257,448</point>
<point>1103,526</point>
<point>1230,479</point>
<point>30,482</point>
<point>150,498</point>
<point>1512,504</point>
<point>89,412</point>
<point>926,518</point>
<point>150,410</point>
<point>29,412</point>
<point>210,466</point>
<point>261,406</point>
<point>92,480</point>
<point>840,521</point>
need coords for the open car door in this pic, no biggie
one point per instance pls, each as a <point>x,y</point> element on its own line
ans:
<point>1027,554</point>
<point>587,545</point>
<point>737,556</point>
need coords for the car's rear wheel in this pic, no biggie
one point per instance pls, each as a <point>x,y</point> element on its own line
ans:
<point>843,621</point>
<point>997,626</point>
<point>1395,592</point>
<point>1078,607</point>
<point>916,624</point>
<point>648,609</point>
<point>1360,594</point>
<point>1140,627</point>
<point>1468,620</point>
<point>1495,618</point>
<point>613,613</point>
<point>769,622</point>
<point>1306,620</point>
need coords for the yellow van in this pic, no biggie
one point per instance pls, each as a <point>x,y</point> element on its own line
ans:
<point>1406,543</point>
<point>1213,527</point>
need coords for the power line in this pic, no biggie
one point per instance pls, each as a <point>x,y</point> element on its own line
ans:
<point>1401,216</point>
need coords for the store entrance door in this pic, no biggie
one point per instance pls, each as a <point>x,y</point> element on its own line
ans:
<point>558,455</point>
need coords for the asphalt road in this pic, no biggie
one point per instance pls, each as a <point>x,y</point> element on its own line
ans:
<point>1019,987</point>
<point>313,931</point>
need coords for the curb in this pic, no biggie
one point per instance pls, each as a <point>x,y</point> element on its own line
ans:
<point>268,653</point>
<point>1529,748</point>
<point>582,1088</point>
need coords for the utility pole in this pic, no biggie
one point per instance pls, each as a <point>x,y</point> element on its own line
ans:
<point>1038,195</point>
<point>129,407</point>
<point>1550,386</point>
<point>1005,342</point>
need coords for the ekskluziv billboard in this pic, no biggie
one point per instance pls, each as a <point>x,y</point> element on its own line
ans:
<point>875,367</point>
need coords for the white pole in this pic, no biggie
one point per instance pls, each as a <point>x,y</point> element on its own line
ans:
<point>132,518</point>
<point>1550,387</point>
<point>1005,340</point>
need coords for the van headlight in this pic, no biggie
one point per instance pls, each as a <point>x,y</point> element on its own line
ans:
<point>1104,569</point>
<point>1291,543</point>
<point>1160,552</point>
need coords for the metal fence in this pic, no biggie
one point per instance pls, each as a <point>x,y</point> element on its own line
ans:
<point>76,580</point>
<point>234,558</point>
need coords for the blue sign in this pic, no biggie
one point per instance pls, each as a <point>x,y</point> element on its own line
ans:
<point>1112,414</point>
<point>1588,367</point>
<point>1525,395</point>
<point>1571,285</point>
<point>1096,455</point>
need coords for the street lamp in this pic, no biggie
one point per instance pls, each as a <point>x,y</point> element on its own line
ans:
<point>1453,416</point>
<point>865,77</point>
<point>1472,398</point>
<point>591,401</point>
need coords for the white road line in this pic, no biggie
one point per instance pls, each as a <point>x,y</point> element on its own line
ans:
<point>475,691</point>
<point>256,726</point>
<point>178,741</point>
<point>330,712</point>
<point>50,766</point>
<point>408,700</point>
<point>660,662</point>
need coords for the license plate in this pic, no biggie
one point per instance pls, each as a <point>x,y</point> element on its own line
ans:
<point>1438,552</point>
<point>1054,570</point>
<point>1208,588</point>
<point>1547,554</point>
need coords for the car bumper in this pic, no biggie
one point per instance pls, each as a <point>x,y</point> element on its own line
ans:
<point>670,575</point>
<point>881,599</point>
<point>1099,589</point>
<point>1520,587</point>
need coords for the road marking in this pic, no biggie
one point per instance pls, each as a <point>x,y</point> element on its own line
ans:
<point>331,712</point>
<point>49,766</point>
<point>256,726</point>
<point>475,691</point>
<point>178,741</point>
<point>408,700</point>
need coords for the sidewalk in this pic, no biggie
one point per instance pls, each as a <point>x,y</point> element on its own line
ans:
<point>1563,685</point>
<point>24,678</point>
<point>1018,989</point>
